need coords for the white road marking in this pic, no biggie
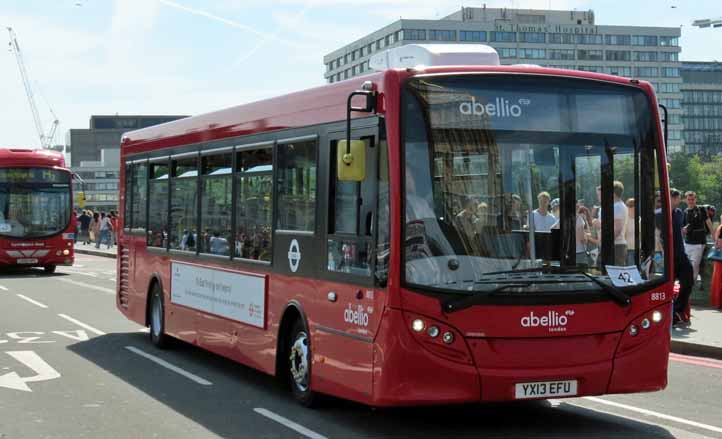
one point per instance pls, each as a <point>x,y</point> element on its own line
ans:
<point>3,288</point>
<point>298,428</point>
<point>655,414</point>
<point>34,302</point>
<point>90,286</point>
<point>170,366</point>
<point>81,324</point>
<point>43,371</point>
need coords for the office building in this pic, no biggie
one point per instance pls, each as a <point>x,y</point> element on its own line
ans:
<point>563,39</point>
<point>95,156</point>
<point>702,105</point>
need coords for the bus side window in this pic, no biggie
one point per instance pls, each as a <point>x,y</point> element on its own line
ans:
<point>349,243</point>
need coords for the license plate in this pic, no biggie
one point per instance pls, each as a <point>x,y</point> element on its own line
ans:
<point>545,389</point>
<point>28,261</point>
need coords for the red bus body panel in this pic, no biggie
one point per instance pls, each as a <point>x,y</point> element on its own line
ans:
<point>386,363</point>
<point>42,249</point>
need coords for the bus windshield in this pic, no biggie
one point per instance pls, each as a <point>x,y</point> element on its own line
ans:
<point>34,202</point>
<point>506,174</point>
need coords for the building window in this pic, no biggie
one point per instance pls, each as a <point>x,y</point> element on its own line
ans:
<point>670,72</point>
<point>506,52</point>
<point>644,40</point>
<point>668,41</point>
<point>668,56</point>
<point>503,37</point>
<point>618,55</point>
<point>532,37</point>
<point>644,56</point>
<point>671,103</point>
<point>466,35</point>
<point>588,39</point>
<point>532,53</point>
<point>561,38</point>
<point>387,40</point>
<point>619,70</point>
<point>442,35</point>
<point>370,48</point>
<point>647,72</point>
<point>345,59</point>
<point>297,185</point>
<point>667,87</point>
<point>397,36</point>
<point>254,189</point>
<point>618,40</point>
<point>414,34</point>
<point>593,55</point>
<point>567,54</point>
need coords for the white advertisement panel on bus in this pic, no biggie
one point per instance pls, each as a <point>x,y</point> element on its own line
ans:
<point>236,296</point>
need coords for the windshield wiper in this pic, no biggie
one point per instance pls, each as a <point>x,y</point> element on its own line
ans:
<point>618,295</point>
<point>457,304</point>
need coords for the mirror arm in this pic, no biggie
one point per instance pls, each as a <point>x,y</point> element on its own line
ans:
<point>368,108</point>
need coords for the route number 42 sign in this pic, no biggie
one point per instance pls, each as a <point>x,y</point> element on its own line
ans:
<point>624,276</point>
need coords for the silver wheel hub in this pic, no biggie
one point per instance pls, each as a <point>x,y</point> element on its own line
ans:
<point>299,361</point>
<point>156,316</point>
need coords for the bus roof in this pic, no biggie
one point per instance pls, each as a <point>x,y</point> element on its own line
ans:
<point>10,157</point>
<point>314,106</point>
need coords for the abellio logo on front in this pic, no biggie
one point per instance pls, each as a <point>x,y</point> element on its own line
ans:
<point>496,107</point>
<point>552,320</point>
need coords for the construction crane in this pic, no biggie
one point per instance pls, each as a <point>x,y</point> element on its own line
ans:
<point>46,140</point>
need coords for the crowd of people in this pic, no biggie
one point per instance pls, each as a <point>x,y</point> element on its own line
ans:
<point>96,227</point>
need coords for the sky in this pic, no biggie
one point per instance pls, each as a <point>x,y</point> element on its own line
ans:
<point>88,57</point>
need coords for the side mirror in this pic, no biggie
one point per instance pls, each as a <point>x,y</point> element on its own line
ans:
<point>351,160</point>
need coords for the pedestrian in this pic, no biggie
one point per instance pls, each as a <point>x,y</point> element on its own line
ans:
<point>74,224</point>
<point>114,226</point>
<point>84,221</point>
<point>95,229</point>
<point>629,232</point>
<point>683,270</point>
<point>106,229</point>
<point>697,226</point>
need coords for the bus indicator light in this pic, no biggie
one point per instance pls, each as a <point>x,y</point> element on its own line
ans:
<point>656,316</point>
<point>417,325</point>
<point>633,330</point>
<point>448,337</point>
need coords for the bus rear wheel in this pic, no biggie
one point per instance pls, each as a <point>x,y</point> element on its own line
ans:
<point>50,269</point>
<point>157,318</point>
<point>299,365</point>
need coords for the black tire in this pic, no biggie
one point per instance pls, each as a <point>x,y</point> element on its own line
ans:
<point>50,269</point>
<point>298,365</point>
<point>156,318</point>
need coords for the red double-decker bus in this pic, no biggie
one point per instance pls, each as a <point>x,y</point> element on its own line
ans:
<point>35,209</point>
<point>444,230</point>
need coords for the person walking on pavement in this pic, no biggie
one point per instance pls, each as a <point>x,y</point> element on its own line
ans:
<point>697,226</point>
<point>84,227</point>
<point>105,230</point>
<point>114,227</point>
<point>682,268</point>
<point>95,229</point>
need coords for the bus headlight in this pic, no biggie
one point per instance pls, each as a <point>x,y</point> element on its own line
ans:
<point>66,252</point>
<point>417,325</point>
<point>657,316</point>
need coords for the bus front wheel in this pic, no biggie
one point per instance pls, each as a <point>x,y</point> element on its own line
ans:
<point>299,365</point>
<point>50,269</point>
<point>157,318</point>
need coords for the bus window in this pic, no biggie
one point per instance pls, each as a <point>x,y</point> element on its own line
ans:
<point>349,249</point>
<point>254,189</point>
<point>127,219</point>
<point>217,183</point>
<point>297,186</point>
<point>139,189</point>
<point>158,205</point>
<point>183,204</point>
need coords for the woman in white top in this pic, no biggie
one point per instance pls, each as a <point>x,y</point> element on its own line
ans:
<point>630,230</point>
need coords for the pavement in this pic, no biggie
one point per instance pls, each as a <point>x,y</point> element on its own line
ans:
<point>702,337</point>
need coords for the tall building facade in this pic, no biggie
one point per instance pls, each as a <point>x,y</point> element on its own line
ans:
<point>562,39</point>
<point>95,156</point>
<point>702,105</point>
